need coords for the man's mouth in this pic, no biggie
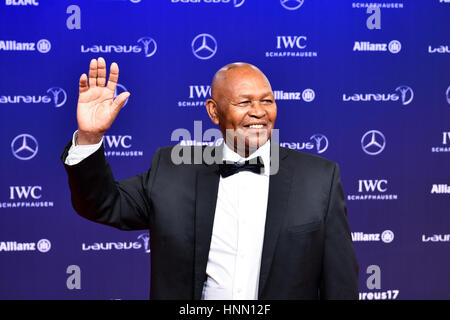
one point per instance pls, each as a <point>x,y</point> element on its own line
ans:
<point>256,126</point>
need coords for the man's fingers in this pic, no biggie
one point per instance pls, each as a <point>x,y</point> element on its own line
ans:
<point>83,83</point>
<point>101,72</point>
<point>113,76</point>
<point>120,101</point>
<point>93,73</point>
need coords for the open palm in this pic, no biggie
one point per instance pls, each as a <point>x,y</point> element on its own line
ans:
<point>97,107</point>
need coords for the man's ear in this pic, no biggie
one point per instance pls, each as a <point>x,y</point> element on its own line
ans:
<point>213,111</point>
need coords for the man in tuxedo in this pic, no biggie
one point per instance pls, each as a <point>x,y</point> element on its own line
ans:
<point>236,228</point>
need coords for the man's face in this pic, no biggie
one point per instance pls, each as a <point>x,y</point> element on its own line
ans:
<point>246,106</point>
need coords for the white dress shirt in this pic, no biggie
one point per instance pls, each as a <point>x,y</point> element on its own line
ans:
<point>77,153</point>
<point>238,232</point>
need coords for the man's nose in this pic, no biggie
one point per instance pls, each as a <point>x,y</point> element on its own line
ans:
<point>257,110</point>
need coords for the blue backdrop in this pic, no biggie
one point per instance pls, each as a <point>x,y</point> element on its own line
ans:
<point>377,101</point>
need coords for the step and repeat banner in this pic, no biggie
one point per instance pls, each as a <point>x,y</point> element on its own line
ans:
<point>362,83</point>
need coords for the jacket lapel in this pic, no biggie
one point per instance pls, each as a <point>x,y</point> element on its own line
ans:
<point>279,187</point>
<point>206,198</point>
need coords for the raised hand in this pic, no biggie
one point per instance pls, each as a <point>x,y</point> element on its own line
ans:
<point>97,107</point>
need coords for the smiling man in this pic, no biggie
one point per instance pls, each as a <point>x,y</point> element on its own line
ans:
<point>243,106</point>
<point>233,229</point>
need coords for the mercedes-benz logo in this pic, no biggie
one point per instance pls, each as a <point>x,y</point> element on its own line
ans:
<point>406,94</point>
<point>119,89</point>
<point>149,46</point>
<point>373,142</point>
<point>321,142</point>
<point>24,146</point>
<point>204,46</point>
<point>58,99</point>
<point>291,4</point>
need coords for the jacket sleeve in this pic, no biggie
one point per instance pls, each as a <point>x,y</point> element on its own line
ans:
<point>123,204</point>
<point>339,278</point>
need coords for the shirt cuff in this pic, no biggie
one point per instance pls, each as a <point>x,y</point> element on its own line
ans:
<point>78,153</point>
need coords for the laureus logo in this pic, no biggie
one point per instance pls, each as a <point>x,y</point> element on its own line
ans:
<point>145,45</point>
<point>149,45</point>
<point>321,142</point>
<point>406,94</point>
<point>145,237</point>
<point>59,96</point>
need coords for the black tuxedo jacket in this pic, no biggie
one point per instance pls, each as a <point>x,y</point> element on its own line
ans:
<point>307,250</point>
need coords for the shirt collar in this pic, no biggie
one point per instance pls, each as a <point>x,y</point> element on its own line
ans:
<point>263,152</point>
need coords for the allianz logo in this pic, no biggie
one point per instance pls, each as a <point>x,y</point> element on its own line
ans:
<point>43,45</point>
<point>146,45</point>
<point>440,188</point>
<point>440,49</point>
<point>405,95</point>
<point>393,46</point>
<point>386,236</point>
<point>125,245</point>
<point>55,94</point>
<point>307,95</point>
<point>43,245</point>
<point>436,238</point>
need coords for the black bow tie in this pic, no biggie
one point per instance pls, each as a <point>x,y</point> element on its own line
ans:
<point>227,169</point>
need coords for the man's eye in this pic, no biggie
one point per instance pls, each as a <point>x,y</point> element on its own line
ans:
<point>267,101</point>
<point>245,103</point>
